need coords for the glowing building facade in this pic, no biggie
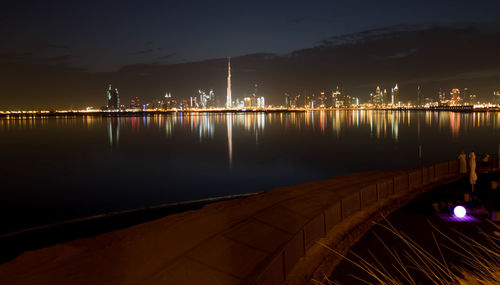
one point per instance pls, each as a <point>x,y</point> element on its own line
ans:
<point>420,97</point>
<point>395,96</point>
<point>228,97</point>
<point>455,97</point>
<point>496,97</point>
<point>112,98</point>
<point>261,103</point>
<point>377,98</point>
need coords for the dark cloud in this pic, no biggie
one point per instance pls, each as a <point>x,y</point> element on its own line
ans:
<point>15,56</point>
<point>168,56</point>
<point>61,58</point>
<point>146,51</point>
<point>373,34</point>
<point>298,20</point>
<point>401,54</point>
<point>29,58</point>
<point>434,57</point>
<point>47,45</point>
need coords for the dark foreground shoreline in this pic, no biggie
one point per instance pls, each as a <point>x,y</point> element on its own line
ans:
<point>15,243</point>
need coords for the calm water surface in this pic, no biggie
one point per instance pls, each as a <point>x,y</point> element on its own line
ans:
<point>54,169</point>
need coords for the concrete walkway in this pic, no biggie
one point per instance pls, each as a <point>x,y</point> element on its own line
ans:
<point>244,241</point>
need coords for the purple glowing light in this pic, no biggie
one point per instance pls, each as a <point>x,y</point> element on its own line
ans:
<point>459,211</point>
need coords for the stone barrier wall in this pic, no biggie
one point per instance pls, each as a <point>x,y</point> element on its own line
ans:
<point>369,195</point>
<point>442,169</point>
<point>385,189</point>
<point>317,227</point>
<point>415,179</point>
<point>401,183</point>
<point>351,204</point>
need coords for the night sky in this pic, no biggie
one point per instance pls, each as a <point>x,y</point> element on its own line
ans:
<point>59,54</point>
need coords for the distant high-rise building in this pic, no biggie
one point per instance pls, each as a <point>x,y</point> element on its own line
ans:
<point>385,98</point>
<point>347,100</point>
<point>253,101</point>
<point>205,100</point>
<point>239,103</point>
<point>261,102</point>
<point>202,95</point>
<point>420,96</point>
<point>288,100</point>
<point>356,100</point>
<point>395,96</point>
<point>472,99</point>
<point>441,95</point>
<point>211,99</point>
<point>377,98</point>
<point>291,101</point>
<point>468,97</point>
<point>169,102</point>
<point>337,98</point>
<point>465,94</point>
<point>135,103</point>
<point>112,98</point>
<point>496,97</point>
<point>455,96</point>
<point>229,102</point>
<point>193,102</point>
<point>248,102</point>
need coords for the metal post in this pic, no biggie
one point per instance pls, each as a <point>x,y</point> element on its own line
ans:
<point>419,156</point>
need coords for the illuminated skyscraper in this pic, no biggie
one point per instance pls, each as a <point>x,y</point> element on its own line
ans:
<point>395,96</point>
<point>496,97</point>
<point>228,98</point>
<point>377,99</point>
<point>203,97</point>
<point>211,99</point>
<point>135,103</point>
<point>261,102</point>
<point>469,97</point>
<point>247,102</point>
<point>385,98</point>
<point>441,95</point>
<point>169,102</point>
<point>420,96</point>
<point>337,99</point>
<point>112,98</point>
<point>455,96</point>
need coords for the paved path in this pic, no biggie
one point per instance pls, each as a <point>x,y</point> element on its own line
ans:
<point>227,242</point>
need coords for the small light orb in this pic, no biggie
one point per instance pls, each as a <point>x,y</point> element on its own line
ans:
<point>459,211</point>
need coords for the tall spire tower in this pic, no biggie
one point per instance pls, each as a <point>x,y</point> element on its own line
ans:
<point>228,98</point>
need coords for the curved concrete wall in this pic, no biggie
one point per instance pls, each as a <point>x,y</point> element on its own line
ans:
<point>254,240</point>
<point>317,227</point>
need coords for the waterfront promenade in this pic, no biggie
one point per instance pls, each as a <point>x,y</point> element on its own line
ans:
<point>139,112</point>
<point>269,238</point>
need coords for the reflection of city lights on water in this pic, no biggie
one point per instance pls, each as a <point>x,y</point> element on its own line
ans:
<point>377,124</point>
<point>230,138</point>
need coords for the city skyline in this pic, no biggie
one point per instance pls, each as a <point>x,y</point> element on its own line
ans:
<point>337,98</point>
